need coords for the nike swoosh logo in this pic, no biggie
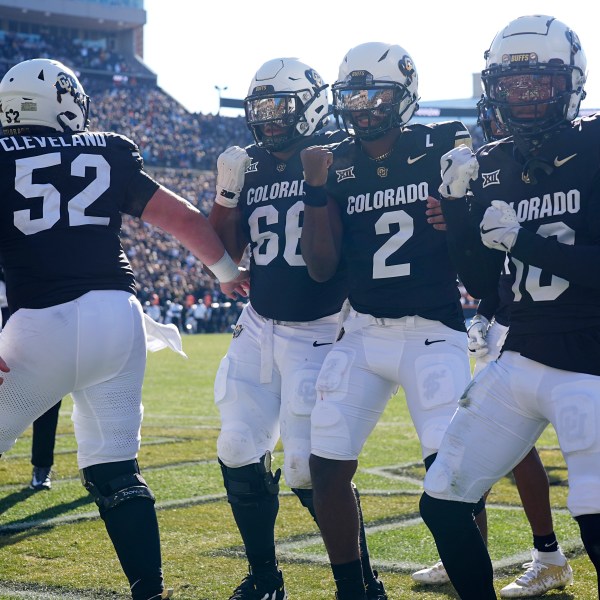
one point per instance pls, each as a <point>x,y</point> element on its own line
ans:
<point>492,229</point>
<point>316,344</point>
<point>560,162</point>
<point>410,160</point>
<point>428,343</point>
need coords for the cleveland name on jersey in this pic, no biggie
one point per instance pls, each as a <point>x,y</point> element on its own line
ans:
<point>398,265</point>
<point>62,199</point>
<point>273,211</point>
<point>561,204</point>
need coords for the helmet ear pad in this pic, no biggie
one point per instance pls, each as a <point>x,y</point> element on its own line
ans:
<point>288,97</point>
<point>43,93</point>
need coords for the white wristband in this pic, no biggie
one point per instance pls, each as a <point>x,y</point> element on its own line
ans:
<point>225,201</point>
<point>224,269</point>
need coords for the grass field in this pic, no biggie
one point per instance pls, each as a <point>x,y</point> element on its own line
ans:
<point>53,545</point>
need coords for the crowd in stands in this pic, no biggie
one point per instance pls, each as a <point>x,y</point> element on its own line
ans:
<point>180,150</point>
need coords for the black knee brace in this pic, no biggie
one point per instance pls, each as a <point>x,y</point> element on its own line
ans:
<point>113,483</point>
<point>249,484</point>
<point>306,499</point>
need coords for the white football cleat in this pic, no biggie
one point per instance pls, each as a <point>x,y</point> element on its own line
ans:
<point>539,578</point>
<point>435,575</point>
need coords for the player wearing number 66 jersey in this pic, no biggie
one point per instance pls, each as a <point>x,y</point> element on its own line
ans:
<point>76,326</point>
<point>265,386</point>
<point>535,197</point>
<point>366,205</point>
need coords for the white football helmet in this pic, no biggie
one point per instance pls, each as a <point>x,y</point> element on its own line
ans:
<point>43,93</point>
<point>534,75</point>
<point>376,89</point>
<point>287,100</point>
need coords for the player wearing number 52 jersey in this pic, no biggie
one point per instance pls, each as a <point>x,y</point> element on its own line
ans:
<point>76,326</point>
<point>535,197</point>
<point>366,204</point>
<point>265,386</point>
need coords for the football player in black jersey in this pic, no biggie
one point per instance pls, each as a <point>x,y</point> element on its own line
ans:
<point>265,386</point>
<point>367,204</point>
<point>487,331</point>
<point>536,197</point>
<point>76,326</point>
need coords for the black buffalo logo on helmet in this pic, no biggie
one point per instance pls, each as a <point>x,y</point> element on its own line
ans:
<point>67,84</point>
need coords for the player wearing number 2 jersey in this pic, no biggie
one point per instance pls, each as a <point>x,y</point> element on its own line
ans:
<point>535,197</point>
<point>76,326</point>
<point>367,205</point>
<point>265,387</point>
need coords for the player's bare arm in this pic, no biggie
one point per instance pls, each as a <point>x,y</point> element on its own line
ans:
<point>181,219</point>
<point>322,229</point>
<point>228,225</point>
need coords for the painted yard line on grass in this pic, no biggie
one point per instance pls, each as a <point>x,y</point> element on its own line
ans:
<point>289,550</point>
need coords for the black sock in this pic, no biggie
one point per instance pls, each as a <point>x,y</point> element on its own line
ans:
<point>256,523</point>
<point>365,559</point>
<point>349,580</point>
<point>133,530</point>
<point>263,563</point>
<point>545,543</point>
<point>457,537</point>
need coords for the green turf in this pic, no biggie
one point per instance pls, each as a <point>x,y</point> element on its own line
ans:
<point>52,545</point>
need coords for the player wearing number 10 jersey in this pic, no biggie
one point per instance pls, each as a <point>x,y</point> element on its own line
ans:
<point>367,205</point>
<point>535,197</point>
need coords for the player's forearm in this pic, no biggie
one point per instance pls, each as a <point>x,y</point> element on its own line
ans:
<point>320,249</point>
<point>181,219</point>
<point>227,224</point>
<point>478,267</point>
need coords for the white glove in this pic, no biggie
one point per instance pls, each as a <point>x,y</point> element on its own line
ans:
<point>459,166</point>
<point>499,227</point>
<point>231,171</point>
<point>477,333</point>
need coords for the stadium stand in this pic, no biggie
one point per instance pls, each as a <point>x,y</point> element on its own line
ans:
<point>179,148</point>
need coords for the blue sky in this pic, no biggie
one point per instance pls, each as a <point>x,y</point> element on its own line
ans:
<point>195,45</point>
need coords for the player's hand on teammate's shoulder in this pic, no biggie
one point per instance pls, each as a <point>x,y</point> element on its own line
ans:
<point>316,161</point>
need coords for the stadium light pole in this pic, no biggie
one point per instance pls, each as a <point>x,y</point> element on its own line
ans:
<point>219,90</point>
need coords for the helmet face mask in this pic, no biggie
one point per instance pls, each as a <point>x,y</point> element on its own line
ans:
<point>534,76</point>
<point>376,90</point>
<point>287,100</point>
<point>43,93</point>
<point>486,119</point>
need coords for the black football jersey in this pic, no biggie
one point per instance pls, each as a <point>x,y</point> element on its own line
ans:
<point>62,199</point>
<point>272,217</point>
<point>398,264</point>
<point>555,315</point>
